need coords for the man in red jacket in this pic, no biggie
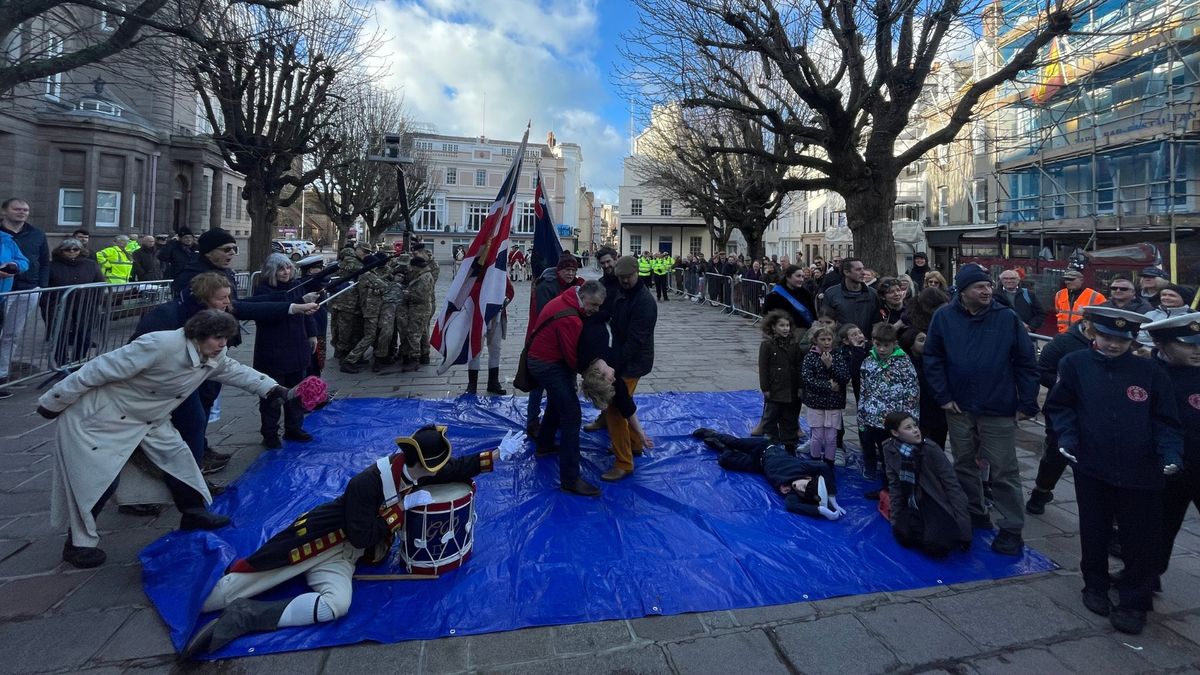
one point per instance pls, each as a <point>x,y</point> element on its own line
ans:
<point>553,364</point>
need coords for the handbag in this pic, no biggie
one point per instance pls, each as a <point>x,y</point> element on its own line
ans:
<point>522,380</point>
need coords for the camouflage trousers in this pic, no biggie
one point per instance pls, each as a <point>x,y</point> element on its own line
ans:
<point>393,324</point>
<point>370,332</point>
<point>416,337</point>
<point>347,331</point>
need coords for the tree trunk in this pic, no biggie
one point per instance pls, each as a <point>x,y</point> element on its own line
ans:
<point>869,214</point>
<point>753,235</point>
<point>263,211</point>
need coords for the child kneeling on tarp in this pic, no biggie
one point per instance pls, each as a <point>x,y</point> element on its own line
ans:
<point>928,505</point>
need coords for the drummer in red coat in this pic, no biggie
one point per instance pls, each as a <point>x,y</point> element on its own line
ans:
<point>325,543</point>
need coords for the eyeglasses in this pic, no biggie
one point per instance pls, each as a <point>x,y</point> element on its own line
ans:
<point>228,249</point>
<point>1121,288</point>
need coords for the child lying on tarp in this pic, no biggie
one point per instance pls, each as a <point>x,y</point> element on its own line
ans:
<point>807,486</point>
<point>928,505</point>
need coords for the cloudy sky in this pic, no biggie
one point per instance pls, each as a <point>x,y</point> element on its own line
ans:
<point>473,67</point>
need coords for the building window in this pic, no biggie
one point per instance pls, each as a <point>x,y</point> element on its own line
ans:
<point>451,176</point>
<point>481,178</point>
<point>110,22</point>
<point>508,153</point>
<point>429,218</point>
<point>476,213</point>
<point>943,205</point>
<point>108,208</point>
<point>979,194</point>
<point>70,206</point>
<point>101,107</point>
<point>526,221</point>
<point>54,49</point>
<point>450,148</point>
<point>229,201</point>
<point>635,207</point>
<point>664,207</point>
<point>694,245</point>
<point>427,146</point>
<point>635,244</point>
<point>979,136</point>
<point>666,244</point>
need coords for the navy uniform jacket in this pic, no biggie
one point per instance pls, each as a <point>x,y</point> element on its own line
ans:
<point>781,469</point>
<point>1186,382</point>
<point>1117,416</point>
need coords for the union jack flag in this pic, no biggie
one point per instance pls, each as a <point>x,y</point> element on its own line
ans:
<point>478,292</point>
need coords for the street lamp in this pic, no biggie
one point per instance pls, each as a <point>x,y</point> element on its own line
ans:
<point>392,155</point>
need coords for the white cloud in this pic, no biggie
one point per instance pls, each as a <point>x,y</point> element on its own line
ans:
<point>474,67</point>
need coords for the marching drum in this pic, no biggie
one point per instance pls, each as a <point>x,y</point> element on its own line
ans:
<point>438,537</point>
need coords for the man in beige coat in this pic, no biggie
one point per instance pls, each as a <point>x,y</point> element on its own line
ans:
<point>123,400</point>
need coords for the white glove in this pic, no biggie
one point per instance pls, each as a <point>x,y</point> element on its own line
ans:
<point>418,498</point>
<point>833,504</point>
<point>306,308</point>
<point>512,443</point>
<point>829,514</point>
<point>1170,469</point>
<point>312,297</point>
<point>1068,455</point>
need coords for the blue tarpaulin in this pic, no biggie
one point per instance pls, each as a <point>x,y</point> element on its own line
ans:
<point>681,535</point>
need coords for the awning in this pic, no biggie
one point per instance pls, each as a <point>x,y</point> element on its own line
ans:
<point>949,236</point>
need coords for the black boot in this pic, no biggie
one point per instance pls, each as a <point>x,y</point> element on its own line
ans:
<point>493,386</point>
<point>239,618</point>
<point>472,382</point>
<point>83,557</point>
<point>202,519</point>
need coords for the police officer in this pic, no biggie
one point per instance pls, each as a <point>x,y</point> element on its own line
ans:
<point>1177,349</point>
<point>1104,395</point>
<point>644,268</point>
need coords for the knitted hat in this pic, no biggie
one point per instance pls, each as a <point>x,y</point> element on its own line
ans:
<point>214,239</point>
<point>566,260</point>
<point>1184,292</point>
<point>971,273</point>
<point>625,266</point>
<point>184,232</point>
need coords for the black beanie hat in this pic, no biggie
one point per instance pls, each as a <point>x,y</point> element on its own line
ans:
<point>1184,292</point>
<point>184,232</point>
<point>214,239</point>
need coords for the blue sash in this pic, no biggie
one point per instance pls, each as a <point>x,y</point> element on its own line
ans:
<point>796,304</point>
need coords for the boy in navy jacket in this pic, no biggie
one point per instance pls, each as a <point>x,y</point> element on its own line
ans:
<point>1118,425</point>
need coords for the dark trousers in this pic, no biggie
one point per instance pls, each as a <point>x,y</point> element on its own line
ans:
<point>872,439</point>
<point>660,286</point>
<point>190,419</point>
<point>1182,491</point>
<point>781,422</point>
<point>1052,465</point>
<point>562,415</point>
<point>293,411</point>
<point>1139,515</point>
<point>929,528</point>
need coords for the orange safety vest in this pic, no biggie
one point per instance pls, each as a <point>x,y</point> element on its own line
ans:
<point>1068,314</point>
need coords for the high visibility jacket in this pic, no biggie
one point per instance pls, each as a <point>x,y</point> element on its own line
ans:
<point>660,266</point>
<point>1067,313</point>
<point>115,264</point>
<point>643,266</point>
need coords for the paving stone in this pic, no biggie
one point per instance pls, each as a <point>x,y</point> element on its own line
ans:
<point>749,651</point>
<point>23,503</point>
<point>10,546</point>
<point>34,596</point>
<point>1064,590</point>
<point>590,637</point>
<point>757,616</point>
<point>144,635</point>
<point>835,605</point>
<point>112,586</point>
<point>37,482</point>
<point>1099,654</point>
<point>645,660</point>
<point>833,644</point>
<point>290,663</point>
<point>514,646</point>
<point>669,627</point>
<point>915,634</point>
<point>448,655</point>
<point>1163,647</point>
<point>1020,662</point>
<point>718,620</point>
<point>76,637</point>
<point>1062,549</point>
<point>402,657</point>
<point>39,557</point>
<point>1006,615</point>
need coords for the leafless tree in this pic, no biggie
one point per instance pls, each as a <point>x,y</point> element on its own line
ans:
<point>418,188</point>
<point>730,191</point>
<point>274,100</point>
<point>42,38</point>
<point>835,81</point>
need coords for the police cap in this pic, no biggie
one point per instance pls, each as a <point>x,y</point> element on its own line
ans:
<point>1120,323</point>
<point>1184,328</point>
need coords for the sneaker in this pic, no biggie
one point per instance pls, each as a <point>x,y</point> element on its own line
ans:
<point>839,457</point>
<point>1038,499</point>
<point>1097,602</point>
<point>1008,542</point>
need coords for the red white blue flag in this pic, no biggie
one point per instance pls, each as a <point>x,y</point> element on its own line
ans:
<point>479,291</point>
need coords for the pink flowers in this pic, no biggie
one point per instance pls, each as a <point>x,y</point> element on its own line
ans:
<point>312,391</point>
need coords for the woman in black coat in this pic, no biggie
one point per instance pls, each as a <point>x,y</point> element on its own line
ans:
<point>70,267</point>
<point>283,350</point>
<point>792,297</point>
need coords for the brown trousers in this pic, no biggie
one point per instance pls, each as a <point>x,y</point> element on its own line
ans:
<point>618,431</point>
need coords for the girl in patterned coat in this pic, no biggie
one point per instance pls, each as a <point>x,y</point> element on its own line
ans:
<point>825,375</point>
<point>889,383</point>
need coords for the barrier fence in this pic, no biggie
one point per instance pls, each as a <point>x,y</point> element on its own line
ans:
<point>55,330</point>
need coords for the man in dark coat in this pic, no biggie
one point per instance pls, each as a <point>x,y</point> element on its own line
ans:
<point>635,314</point>
<point>1022,300</point>
<point>145,261</point>
<point>177,255</point>
<point>552,283</point>
<point>918,270</point>
<point>980,363</point>
<point>1123,295</point>
<point>851,301</point>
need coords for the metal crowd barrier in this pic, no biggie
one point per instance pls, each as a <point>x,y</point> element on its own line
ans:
<point>718,288</point>
<point>748,297</point>
<point>58,329</point>
<point>685,283</point>
<point>244,281</point>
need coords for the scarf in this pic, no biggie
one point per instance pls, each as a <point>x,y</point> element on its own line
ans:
<point>909,468</point>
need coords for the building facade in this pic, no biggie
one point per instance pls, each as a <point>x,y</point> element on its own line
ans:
<point>116,150</point>
<point>466,173</point>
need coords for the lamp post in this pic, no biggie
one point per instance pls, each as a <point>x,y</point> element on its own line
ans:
<point>392,155</point>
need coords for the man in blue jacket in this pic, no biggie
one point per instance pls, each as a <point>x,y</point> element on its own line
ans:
<point>980,363</point>
<point>12,263</point>
<point>23,308</point>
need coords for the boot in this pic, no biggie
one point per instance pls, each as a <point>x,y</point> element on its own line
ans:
<point>472,382</point>
<point>83,557</point>
<point>202,519</point>
<point>493,386</point>
<point>241,617</point>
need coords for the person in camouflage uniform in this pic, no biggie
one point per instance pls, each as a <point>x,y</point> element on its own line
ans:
<point>386,349</point>
<point>418,298</point>
<point>347,317</point>
<point>371,288</point>
<point>419,248</point>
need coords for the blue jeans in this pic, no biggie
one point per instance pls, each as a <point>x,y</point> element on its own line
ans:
<point>562,414</point>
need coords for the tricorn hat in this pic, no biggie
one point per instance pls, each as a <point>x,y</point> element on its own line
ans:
<point>430,444</point>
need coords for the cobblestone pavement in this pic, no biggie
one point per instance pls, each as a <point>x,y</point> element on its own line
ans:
<point>54,618</point>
